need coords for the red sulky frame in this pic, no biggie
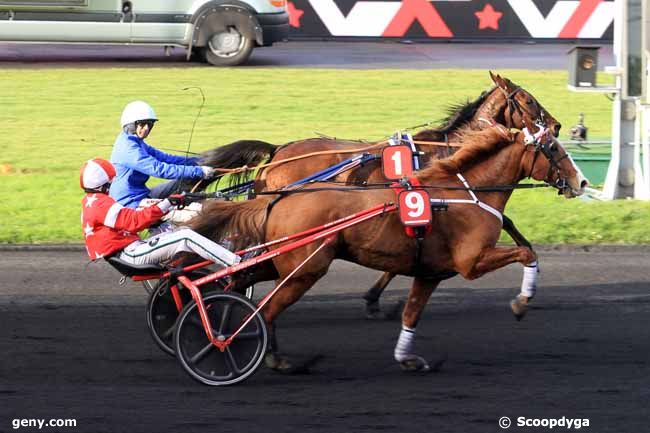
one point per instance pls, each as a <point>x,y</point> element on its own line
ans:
<point>325,232</point>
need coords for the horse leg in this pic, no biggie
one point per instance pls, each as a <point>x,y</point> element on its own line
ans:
<point>373,309</point>
<point>519,304</point>
<point>495,258</point>
<point>417,299</point>
<point>293,290</point>
<point>515,234</point>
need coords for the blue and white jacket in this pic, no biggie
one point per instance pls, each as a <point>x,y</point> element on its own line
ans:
<point>135,161</point>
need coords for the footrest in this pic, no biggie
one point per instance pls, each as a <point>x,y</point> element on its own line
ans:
<point>129,270</point>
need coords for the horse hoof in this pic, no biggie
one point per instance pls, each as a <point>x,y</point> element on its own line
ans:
<point>395,312</point>
<point>415,364</point>
<point>277,363</point>
<point>373,311</point>
<point>281,364</point>
<point>519,306</point>
<point>376,315</point>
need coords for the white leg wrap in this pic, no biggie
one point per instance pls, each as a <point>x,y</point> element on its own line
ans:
<point>529,281</point>
<point>404,347</point>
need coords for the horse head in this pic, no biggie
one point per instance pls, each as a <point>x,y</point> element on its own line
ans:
<point>517,108</point>
<point>546,159</point>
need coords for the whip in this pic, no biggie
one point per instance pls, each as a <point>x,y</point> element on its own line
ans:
<point>189,142</point>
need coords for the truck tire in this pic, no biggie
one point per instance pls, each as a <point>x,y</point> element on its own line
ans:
<point>228,48</point>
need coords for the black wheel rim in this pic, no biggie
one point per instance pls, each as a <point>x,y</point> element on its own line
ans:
<point>162,312</point>
<point>204,361</point>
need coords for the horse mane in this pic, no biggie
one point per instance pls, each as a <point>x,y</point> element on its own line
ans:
<point>458,115</point>
<point>476,145</point>
<point>241,223</point>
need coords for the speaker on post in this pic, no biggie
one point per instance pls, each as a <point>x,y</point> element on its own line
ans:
<point>583,65</point>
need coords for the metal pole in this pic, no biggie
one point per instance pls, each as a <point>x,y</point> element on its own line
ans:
<point>642,183</point>
<point>619,182</point>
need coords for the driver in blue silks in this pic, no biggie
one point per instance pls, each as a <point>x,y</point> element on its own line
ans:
<point>135,161</point>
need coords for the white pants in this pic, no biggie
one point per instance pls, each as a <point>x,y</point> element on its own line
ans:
<point>164,246</point>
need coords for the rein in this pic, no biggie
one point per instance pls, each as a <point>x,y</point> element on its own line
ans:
<point>364,187</point>
<point>328,152</point>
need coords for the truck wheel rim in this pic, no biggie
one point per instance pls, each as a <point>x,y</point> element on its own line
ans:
<point>226,44</point>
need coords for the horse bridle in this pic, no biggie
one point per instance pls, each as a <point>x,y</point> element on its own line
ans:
<point>541,140</point>
<point>544,144</point>
<point>513,105</point>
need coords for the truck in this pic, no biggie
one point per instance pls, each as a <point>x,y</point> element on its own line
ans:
<point>221,32</point>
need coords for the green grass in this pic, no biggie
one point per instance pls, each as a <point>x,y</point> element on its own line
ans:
<point>54,119</point>
<point>546,218</point>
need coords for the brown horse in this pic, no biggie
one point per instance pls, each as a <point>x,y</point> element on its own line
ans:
<point>463,239</point>
<point>506,103</point>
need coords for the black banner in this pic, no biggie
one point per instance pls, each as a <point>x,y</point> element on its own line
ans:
<point>472,20</point>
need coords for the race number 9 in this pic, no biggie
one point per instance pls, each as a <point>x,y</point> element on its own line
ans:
<point>397,162</point>
<point>414,207</point>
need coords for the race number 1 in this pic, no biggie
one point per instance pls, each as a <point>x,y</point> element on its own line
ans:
<point>397,162</point>
<point>414,208</point>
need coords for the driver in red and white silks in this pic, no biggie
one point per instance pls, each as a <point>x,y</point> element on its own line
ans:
<point>111,229</point>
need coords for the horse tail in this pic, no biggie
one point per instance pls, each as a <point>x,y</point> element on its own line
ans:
<point>238,154</point>
<point>241,223</point>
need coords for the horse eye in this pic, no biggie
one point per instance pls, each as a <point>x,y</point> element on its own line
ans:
<point>529,102</point>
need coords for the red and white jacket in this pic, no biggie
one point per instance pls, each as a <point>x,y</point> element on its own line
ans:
<point>109,227</point>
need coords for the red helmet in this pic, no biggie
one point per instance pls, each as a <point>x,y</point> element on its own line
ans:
<point>95,173</point>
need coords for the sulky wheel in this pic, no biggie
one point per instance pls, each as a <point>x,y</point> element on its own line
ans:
<point>204,361</point>
<point>162,313</point>
<point>150,285</point>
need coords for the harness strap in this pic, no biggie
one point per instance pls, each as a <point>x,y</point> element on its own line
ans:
<point>327,152</point>
<point>490,122</point>
<point>406,138</point>
<point>449,152</point>
<point>474,200</point>
<point>416,156</point>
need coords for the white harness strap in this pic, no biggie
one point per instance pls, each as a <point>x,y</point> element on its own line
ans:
<point>399,138</point>
<point>488,121</point>
<point>474,200</point>
<point>534,138</point>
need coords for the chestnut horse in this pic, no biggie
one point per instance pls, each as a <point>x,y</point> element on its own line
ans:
<point>463,239</point>
<point>506,103</point>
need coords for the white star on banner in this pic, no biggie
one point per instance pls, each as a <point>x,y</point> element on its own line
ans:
<point>90,200</point>
<point>88,231</point>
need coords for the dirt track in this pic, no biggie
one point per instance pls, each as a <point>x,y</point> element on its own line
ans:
<point>75,346</point>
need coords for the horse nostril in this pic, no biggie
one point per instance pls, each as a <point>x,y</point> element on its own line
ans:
<point>584,184</point>
<point>558,126</point>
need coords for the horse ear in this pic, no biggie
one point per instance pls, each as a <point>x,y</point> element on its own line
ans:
<point>498,81</point>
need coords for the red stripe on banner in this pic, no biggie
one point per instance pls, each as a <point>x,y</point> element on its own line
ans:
<point>422,11</point>
<point>579,18</point>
